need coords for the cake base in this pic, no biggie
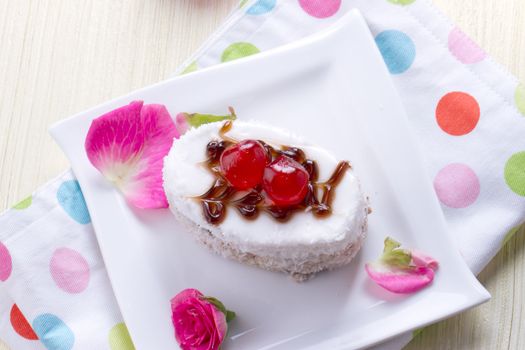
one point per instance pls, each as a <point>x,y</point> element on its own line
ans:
<point>300,271</point>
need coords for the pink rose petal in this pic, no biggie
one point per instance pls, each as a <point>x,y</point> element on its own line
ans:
<point>185,295</point>
<point>127,145</point>
<point>220,324</point>
<point>181,122</point>
<point>421,259</point>
<point>401,281</point>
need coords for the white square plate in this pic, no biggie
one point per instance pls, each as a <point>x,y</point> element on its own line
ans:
<point>333,89</point>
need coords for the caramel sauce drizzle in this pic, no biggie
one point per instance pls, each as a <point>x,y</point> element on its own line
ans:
<point>250,203</point>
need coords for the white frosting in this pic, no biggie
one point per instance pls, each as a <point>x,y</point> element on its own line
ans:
<point>303,235</point>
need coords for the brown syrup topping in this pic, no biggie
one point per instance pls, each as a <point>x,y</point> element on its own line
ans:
<point>250,203</point>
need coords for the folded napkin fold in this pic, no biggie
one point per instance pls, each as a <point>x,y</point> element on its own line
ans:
<point>468,114</point>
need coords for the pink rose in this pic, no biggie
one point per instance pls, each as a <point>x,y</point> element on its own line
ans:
<point>200,322</point>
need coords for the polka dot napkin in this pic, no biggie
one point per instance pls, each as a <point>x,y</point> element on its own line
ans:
<point>468,113</point>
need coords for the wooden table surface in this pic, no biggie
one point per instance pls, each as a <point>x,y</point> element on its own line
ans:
<point>58,57</point>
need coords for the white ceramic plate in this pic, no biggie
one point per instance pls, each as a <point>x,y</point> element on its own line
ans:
<point>333,89</point>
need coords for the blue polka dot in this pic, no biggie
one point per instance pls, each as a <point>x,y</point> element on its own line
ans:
<point>70,198</point>
<point>261,7</point>
<point>398,50</point>
<point>53,333</point>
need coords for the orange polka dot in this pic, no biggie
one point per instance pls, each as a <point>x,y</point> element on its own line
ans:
<point>457,113</point>
<point>20,324</point>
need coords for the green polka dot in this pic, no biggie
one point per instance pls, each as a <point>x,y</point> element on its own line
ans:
<point>191,68</point>
<point>401,2</point>
<point>511,234</point>
<point>23,204</point>
<point>119,338</point>
<point>520,98</point>
<point>515,173</point>
<point>417,332</point>
<point>242,3</point>
<point>238,50</point>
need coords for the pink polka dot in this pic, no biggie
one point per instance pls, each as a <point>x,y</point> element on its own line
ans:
<point>457,186</point>
<point>464,48</point>
<point>6,264</point>
<point>320,8</point>
<point>69,270</point>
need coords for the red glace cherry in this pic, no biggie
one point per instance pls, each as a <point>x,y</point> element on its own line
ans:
<point>285,181</point>
<point>243,164</point>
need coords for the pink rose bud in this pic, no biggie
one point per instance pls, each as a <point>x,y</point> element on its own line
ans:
<point>184,121</point>
<point>200,322</point>
<point>181,122</point>
<point>402,271</point>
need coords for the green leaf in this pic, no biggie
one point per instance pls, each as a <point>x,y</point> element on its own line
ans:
<point>198,119</point>
<point>230,315</point>
<point>217,303</point>
<point>397,258</point>
<point>390,244</point>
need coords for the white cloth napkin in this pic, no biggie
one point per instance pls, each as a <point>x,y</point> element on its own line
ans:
<point>468,112</point>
